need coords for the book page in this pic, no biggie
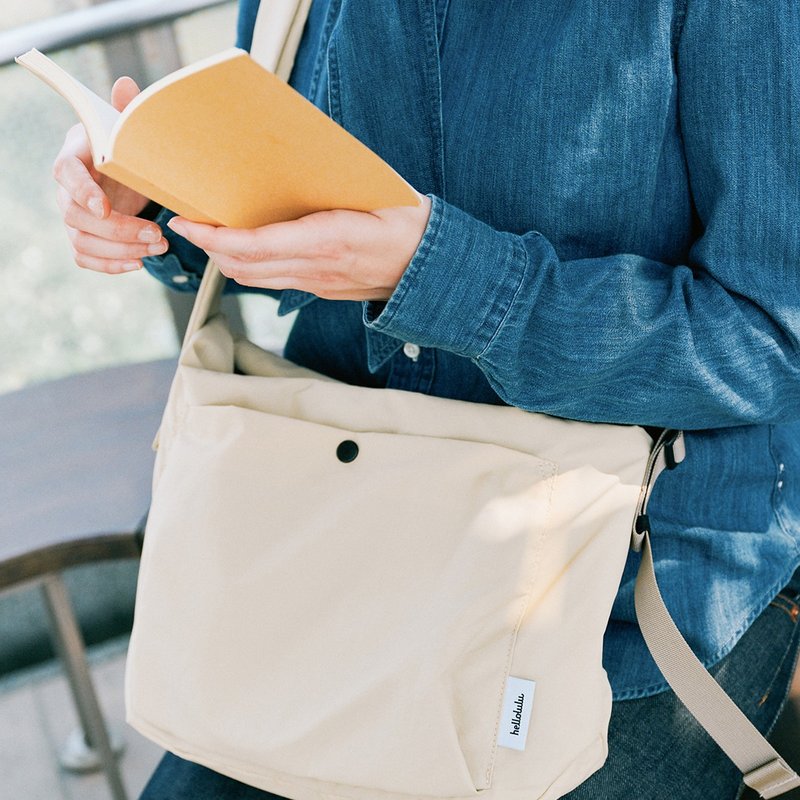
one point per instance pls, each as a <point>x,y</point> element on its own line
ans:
<point>97,116</point>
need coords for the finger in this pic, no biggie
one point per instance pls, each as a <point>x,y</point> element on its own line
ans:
<point>235,268</point>
<point>76,143</point>
<point>90,245</point>
<point>109,266</point>
<point>290,272</point>
<point>324,291</point>
<point>304,275</point>
<point>278,241</point>
<point>71,173</point>
<point>116,227</point>
<point>123,91</point>
<point>63,200</point>
<point>221,240</point>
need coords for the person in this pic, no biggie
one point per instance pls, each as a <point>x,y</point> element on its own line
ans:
<point>609,234</point>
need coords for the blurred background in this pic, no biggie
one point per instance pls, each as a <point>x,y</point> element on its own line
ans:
<point>57,319</point>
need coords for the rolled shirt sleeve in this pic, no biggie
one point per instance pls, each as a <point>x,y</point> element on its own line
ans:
<point>713,342</point>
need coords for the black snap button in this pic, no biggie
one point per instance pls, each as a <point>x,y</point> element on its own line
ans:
<point>347,451</point>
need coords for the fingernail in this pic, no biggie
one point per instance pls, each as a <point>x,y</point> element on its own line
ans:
<point>157,249</point>
<point>96,207</point>
<point>149,234</point>
<point>176,225</point>
<point>129,266</point>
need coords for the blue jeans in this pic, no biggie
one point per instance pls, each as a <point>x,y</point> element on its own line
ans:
<point>656,749</point>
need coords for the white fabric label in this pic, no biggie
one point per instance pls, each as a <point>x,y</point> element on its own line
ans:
<point>516,713</point>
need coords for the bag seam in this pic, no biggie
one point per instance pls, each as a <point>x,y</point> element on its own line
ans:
<point>551,473</point>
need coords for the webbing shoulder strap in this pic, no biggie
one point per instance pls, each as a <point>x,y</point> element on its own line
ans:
<point>277,33</point>
<point>763,768</point>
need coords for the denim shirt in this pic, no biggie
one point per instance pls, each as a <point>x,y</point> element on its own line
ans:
<point>613,237</point>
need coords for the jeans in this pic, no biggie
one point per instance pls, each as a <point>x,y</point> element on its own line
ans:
<point>656,749</point>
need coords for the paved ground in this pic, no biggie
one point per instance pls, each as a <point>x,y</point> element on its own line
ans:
<point>37,716</point>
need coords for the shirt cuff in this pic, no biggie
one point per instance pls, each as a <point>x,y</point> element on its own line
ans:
<point>181,267</point>
<point>458,287</point>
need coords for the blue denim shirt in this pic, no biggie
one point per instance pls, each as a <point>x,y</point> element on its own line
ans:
<point>614,237</point>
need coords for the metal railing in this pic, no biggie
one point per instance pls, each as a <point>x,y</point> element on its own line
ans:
<point>98,22</point>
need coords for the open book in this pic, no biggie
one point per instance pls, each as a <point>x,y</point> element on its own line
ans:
<point>227,142</point>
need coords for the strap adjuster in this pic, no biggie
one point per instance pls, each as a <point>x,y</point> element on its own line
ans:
<point>772,779</point>
<point>674,450</point>
<point>667,453</point>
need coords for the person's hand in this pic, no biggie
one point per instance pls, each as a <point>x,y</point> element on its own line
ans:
<point>99,213</point>
<point>337,255</point>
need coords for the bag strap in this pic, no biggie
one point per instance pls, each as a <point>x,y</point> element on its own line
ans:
<point>206,303</point>
<point>763,768</point>
<point>276,37</point>
<point>277,33</point>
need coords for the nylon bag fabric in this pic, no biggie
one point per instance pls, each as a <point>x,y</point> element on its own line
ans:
<point>338,582</point>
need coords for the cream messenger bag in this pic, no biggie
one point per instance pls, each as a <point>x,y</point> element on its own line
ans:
<point>372,594</point>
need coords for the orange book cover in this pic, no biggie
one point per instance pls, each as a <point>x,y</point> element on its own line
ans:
<point>225,141</point>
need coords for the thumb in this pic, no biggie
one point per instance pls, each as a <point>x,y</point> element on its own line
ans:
<point>123,91</point>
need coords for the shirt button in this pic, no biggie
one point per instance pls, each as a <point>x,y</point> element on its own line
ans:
<point>180,279</point>
<point>411,350</point>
